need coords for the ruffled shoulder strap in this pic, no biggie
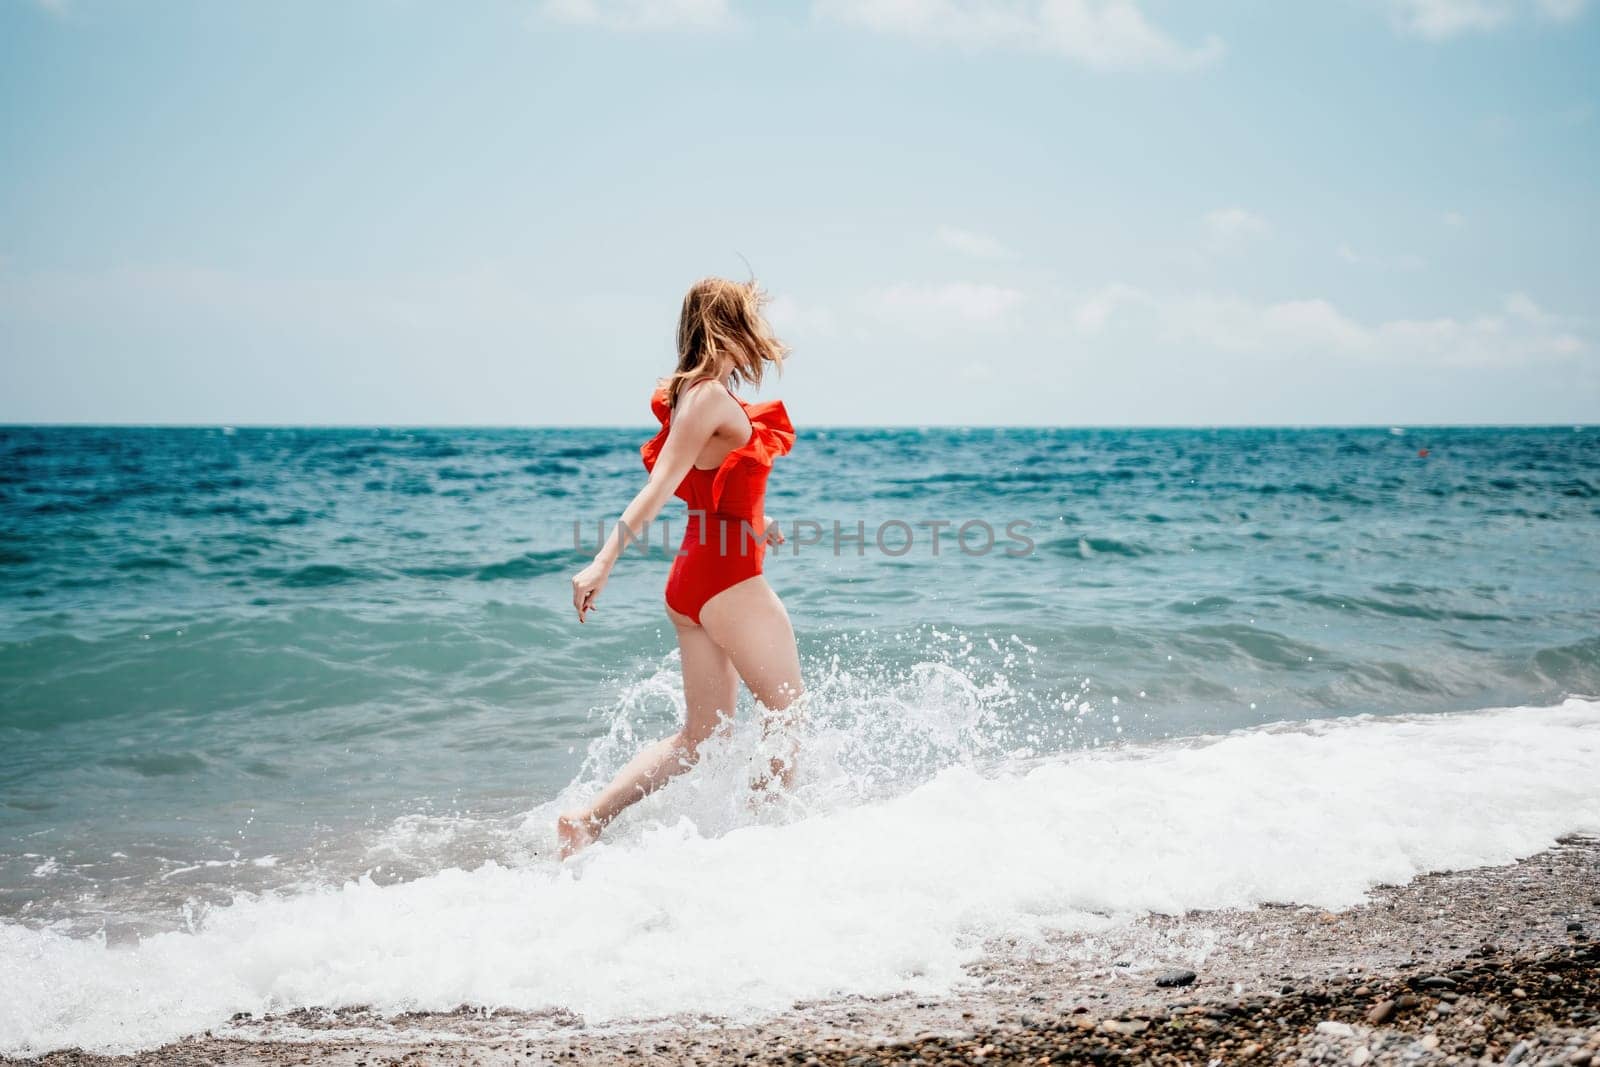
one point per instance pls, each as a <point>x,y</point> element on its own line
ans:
<point>771,436</point>
<point>660,406</point>
<point>773,432</point>
<point>650,451</point>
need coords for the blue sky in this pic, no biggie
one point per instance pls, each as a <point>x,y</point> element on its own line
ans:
<point>1079,212</point>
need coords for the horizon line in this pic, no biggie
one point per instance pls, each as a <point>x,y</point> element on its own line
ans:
<point>94,425</point>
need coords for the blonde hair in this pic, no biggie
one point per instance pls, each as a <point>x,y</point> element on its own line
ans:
<point>721,331</point>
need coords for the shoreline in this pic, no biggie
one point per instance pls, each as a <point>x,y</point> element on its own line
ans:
<point>1473,966</point>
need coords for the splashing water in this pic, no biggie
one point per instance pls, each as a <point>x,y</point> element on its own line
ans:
<point>861,882</point>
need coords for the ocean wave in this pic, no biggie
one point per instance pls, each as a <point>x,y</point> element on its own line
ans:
<point>1206,605</point>
<point>552,468</point>
<point>158,764</point>
<point>815,900</point>
<point>1562,662</point>
<point>530,565</point>
<point>1087,547</point>
<point>312,575</point>
<point>1256,645</point>
<point>1370,605</point>
<point>585,451</point>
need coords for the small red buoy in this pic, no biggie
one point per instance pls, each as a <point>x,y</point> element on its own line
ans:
<point>1423,452</point>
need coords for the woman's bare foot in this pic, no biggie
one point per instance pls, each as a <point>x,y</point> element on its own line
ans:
<point>576,832</point>
<point>762,796</point>
<point>772,783</point>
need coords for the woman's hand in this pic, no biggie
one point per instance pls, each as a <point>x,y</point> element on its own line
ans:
<point>774,530</point>
<point>586,586</point>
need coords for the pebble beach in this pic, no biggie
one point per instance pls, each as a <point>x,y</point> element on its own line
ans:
<point>1495,965</point>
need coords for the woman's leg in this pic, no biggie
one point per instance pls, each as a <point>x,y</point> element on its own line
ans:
<point>749,623</point>
<point>710,692</point>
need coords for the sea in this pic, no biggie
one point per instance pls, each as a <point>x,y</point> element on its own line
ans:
<point>287,715</point>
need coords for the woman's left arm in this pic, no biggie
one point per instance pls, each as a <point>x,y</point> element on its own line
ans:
<point>692,426</point>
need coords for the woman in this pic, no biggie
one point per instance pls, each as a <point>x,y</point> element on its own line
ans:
<point>715,451</point>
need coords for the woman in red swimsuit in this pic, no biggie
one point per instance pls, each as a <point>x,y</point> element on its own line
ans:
<point>715,452</point>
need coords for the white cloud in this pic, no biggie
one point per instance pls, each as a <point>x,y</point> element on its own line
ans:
<point>1234,324</point>
<point>1562,10</point>
<point>1453,219</point>
<point>970,242</point>
<point>1229,226</point>
<point>1440,19</point>
<point>1100,34</point>
<point>935,308</point>
<point>1405,261</point>
<point>1094,311</point>
<point>1522,306</point>
<point>629,15</point>
<point>1516,334</point>
<point>790,316</point>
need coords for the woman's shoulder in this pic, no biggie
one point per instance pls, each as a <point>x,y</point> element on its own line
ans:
<point>706,398</point>
<point>710,398</point>
<point>702,388</point>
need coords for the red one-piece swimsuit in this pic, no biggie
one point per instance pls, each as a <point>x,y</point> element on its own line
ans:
<point>724,542</point>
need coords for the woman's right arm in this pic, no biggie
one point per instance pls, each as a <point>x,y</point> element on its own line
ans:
<point>696,418</point>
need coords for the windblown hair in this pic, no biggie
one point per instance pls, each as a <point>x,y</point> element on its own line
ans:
<point>721,331</point>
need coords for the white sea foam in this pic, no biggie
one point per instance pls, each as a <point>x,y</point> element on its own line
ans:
<point>869,897</point>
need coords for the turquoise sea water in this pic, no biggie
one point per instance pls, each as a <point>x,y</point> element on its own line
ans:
<point>274,659</point>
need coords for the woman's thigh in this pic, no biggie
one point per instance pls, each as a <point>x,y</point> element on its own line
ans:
<point>710,685</point>
<point>749,623</point>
